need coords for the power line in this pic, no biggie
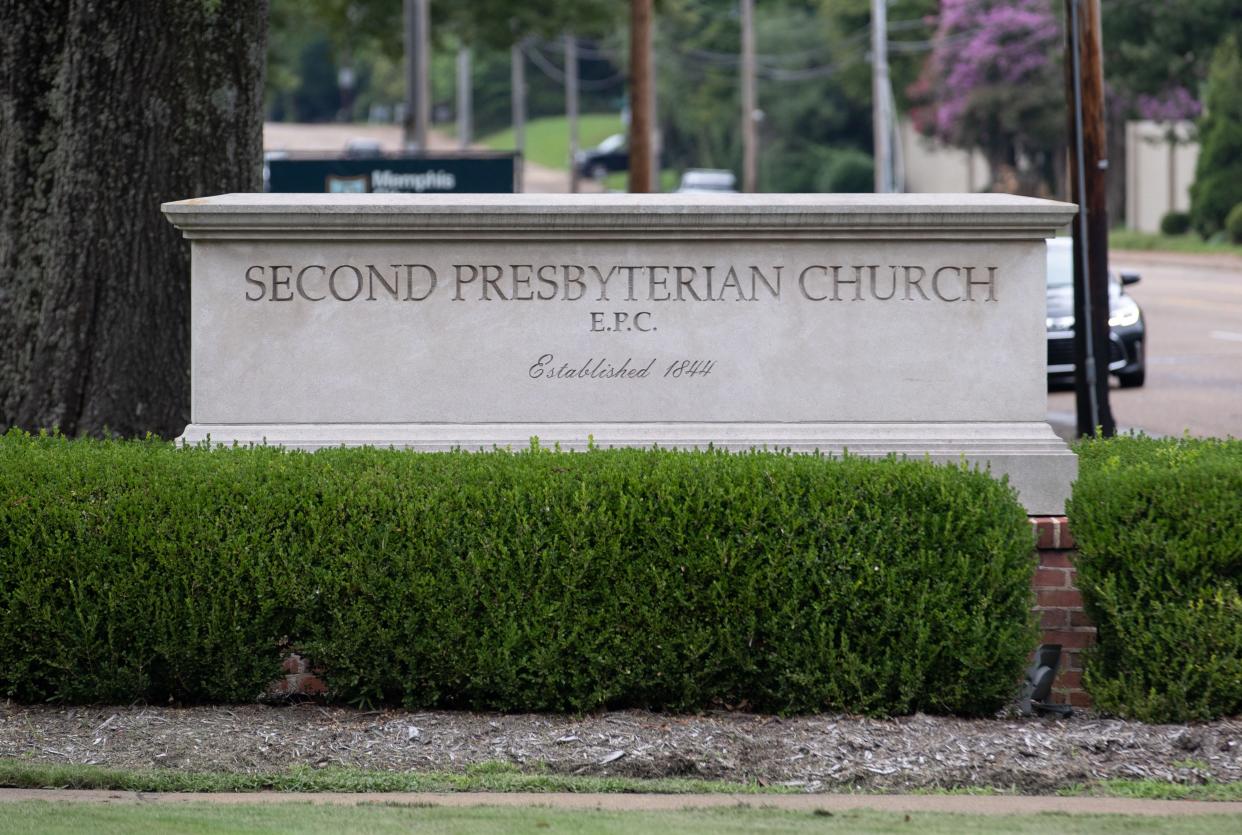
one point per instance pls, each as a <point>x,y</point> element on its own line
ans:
<point>555,73</point>
<point>932,43</point>
<point>856,38</point>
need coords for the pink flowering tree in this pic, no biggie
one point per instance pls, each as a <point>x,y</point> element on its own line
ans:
<point>1157,54</point>
<point>1172,105</point>
<point>994,81</point>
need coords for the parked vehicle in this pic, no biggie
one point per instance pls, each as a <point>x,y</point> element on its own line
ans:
<point>608,156</point>
<point>268,156</point>
<point>1127,338</point>
<point>707,181</point>
<point>363,147</point>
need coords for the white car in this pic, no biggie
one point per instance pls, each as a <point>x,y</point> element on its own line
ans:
<point>707,181</point>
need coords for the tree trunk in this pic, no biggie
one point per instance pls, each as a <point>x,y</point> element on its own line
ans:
<point>108,109</point>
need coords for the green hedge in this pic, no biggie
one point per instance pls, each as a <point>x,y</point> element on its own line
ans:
<point>1233,225</point>
<point>536,580</point>
<point>1159,530</point>
<point>1175,223</point>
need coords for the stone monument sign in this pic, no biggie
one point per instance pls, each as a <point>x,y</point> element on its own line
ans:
<point>878,323</point>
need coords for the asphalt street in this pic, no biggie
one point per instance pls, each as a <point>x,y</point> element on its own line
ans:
<point>1193,306</point>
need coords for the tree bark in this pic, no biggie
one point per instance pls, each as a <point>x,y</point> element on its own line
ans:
<point>108,109</point>
<point>641,117</point>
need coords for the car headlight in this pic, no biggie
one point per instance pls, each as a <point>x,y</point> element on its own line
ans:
<point>1126,314</point>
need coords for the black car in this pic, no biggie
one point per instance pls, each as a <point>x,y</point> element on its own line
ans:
<point>608,156</point>
<point>1127,338</point>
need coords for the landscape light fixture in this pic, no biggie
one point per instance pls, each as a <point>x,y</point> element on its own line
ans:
<point>1038,685</point>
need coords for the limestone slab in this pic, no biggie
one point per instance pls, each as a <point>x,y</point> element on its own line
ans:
<point>877,323</point>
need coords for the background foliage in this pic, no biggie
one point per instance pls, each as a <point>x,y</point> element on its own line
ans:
<point>980,74</point>
<point>1218,174</point>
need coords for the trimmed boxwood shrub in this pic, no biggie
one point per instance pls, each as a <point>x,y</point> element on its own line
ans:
<point>1175,223</point>
<point>1233,224</point>
<point>537,580</point>
<point>1159,530</point>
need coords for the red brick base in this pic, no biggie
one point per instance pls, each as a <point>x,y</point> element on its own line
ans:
<point>297,682</point>
<point>1059,604</point>
<point>1057,600</point>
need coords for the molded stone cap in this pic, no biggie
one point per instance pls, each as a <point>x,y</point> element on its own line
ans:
<point>986,217</point>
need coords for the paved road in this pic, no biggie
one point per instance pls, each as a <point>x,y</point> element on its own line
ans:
<point>1193,306</point>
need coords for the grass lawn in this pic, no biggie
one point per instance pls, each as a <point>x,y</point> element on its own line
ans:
<point>1131,239</point>
<point>547,139</point>
<point>1157,790</point>
<point>46,817</point>
<point>487,776</point>
<point>490,776</point>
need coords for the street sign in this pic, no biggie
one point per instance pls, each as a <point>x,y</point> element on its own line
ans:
<point>447,174</point>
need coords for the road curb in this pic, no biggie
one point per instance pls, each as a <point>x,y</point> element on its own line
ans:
<point>1198,260</point>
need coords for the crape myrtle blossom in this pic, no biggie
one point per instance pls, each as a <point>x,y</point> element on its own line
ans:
<point>982,44</point>
<point>1173,105</point>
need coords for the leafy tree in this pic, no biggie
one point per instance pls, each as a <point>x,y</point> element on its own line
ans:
<point>482,24</point>
<point>498,23</point>
<point>698,93</point>
<point>318,97</point>
<point>366,35</point>
<point>911,24</point>
<point>1156,56</point>
<point>808,110</point>
<point>1218,174</point>
<point>1157,52</point>
<point>994,81</point>
<point>106,111</point>
<point>847,170</point>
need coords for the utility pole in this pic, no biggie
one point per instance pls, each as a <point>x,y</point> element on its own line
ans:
<point>657,141</point>
<point>571,107</point>
<point>464,101</point>
<point>417,21</point>
<point>750,133</point>
<point>880,117</point>
<point>409,31</point>
<point>423,124</point>
<point>517,85</point>
<point>1088,155</point>
<point>641,120</point>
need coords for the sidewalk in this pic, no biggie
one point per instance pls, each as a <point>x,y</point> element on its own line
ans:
<point>908,803</point>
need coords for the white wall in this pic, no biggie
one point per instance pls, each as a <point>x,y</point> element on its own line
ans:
<point>931,166</point>
<point>1158,173</point>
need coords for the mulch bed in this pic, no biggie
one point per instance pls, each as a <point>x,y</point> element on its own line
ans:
<point>817,753</point>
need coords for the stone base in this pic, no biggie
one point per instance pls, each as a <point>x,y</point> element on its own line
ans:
<point>1038,463</point>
